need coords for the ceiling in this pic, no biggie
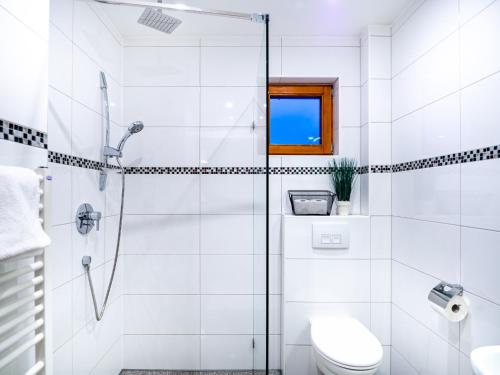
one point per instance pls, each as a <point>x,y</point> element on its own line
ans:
<point>288,17</point>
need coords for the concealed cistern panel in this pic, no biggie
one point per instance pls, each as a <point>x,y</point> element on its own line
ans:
<point>330,236</point>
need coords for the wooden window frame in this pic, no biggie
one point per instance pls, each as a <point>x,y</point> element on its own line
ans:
<point>324,92</point>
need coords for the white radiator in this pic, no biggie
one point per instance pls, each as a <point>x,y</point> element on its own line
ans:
<point>25,329</point>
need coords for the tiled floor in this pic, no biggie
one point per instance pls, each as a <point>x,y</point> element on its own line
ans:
<point>208,372</point>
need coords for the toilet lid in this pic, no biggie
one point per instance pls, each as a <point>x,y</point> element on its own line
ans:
<point>346,341</point>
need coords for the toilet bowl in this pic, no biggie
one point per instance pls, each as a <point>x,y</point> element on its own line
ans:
<point>344,346</point>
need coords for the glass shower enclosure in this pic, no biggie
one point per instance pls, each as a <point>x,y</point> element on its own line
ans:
<point>194,257</point>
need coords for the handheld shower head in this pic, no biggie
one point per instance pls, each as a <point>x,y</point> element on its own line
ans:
<point>136,127</point>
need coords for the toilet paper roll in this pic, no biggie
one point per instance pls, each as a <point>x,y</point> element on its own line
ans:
<point>453,307</point>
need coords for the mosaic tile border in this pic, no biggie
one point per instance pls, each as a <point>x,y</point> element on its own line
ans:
<point>203,372</point>
<point>13,132</point>
<point>74,161</point>
<point>480,154</point>
<point>235,170</point>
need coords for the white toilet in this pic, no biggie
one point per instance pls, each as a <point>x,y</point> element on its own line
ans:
<point>344,346</point>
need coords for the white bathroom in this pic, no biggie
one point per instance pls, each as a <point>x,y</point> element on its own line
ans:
<point>236,187</point>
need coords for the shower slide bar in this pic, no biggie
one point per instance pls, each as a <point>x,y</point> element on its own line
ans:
<point>24,301</point>
<point>254,17</point>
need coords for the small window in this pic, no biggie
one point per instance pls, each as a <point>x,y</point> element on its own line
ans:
<point>300,120</point>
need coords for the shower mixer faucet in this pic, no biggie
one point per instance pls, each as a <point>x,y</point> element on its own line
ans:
<point>87,218</point>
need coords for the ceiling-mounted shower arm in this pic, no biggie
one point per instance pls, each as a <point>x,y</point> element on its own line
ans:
<point>254,17</point>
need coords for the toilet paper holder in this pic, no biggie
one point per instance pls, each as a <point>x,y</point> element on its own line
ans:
<point>447,299</point>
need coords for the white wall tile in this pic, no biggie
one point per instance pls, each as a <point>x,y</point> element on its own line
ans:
<point>432,77</point>
<point>230,66</point>
<point>480,200</point>
<point>227,234</point>
<point>63,359</point>
<point>350,102</point>
<point>425,351</point>
<point>379,55</point>
<point>380,143</point>
<point>61,176</point>
<point>230,315</point>
<point>112,362</point>
<point>299,360</point>
<point>234,200</point>
<point>93,37</point>
<point>86,81</point>
<point>59,122</point>
<point>166,194</point>
<point>415,242</point>
<point>227,106</point>
<point>480,255</point>
<point>427,194</point>
<point>148,352</point>
<point>226,352</point>
<point>380,237</point>
<point>62,306</point>
<point>381,322</point>
<point>400,365</point>
<point>161,234</point>
<point>434,130</point>
<point>227,274</point>
<point>34,14</point>
<point>380,100</point>
<point>380,193</point>
<point>350,140</point>
<point>275,234</point>
<point>410,288</point>
<point>341,62</point>
<point>162,274</point>
<point>259,314</point>
<point>481,326</point>
<point>158,66</point>
<point>60,61</point>
<point>92,342</point>
<point>60,254</point>
<point>431,23</point>
<point>164,146</point>
<point>315,280</point>
<point>87,130</point>
<point>380,280</point>
<point>259,356</point>
<point>61,15</point>
<point>477,60</point>
<point>480,114</point>
<point>148,105</point>
<point>275,276</point>
<point>226,147</point>
<point>470,8</point>
<point>25,69</point>
<point>166,314</point>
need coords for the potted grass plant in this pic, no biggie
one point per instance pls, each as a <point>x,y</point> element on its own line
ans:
<point>343,175</point>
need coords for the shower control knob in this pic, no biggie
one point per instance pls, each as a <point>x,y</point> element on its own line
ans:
<point>87,218</point>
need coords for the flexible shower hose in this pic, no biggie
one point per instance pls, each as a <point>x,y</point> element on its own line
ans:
<point>100,314</point>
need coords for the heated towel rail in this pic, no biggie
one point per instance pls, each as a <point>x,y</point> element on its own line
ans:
<point>25,304</point>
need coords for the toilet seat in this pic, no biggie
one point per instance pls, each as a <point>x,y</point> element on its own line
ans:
<point>346,342</point>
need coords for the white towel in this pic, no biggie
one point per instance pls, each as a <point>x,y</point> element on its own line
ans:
<point>20,227</point>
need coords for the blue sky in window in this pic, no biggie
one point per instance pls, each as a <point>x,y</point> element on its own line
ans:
<point>295,121</point>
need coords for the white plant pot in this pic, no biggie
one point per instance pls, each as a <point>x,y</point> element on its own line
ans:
<point>343,208</point>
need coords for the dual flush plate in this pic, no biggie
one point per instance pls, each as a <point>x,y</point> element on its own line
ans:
<point>330,236</point>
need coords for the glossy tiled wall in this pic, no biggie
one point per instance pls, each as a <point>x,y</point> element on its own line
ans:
<point>444,219</point>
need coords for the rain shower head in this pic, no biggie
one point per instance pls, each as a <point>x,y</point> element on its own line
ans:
<point>156,19</point>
